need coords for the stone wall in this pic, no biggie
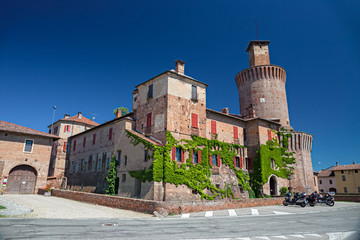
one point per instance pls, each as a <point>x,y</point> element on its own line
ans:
<point>175,207</point>
<point>348,198</point>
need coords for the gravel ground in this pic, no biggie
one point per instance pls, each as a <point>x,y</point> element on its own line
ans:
<point>61,208</point>
<point>13,209</point>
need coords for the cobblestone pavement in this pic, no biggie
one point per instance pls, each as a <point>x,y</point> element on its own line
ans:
<point>61,208</point>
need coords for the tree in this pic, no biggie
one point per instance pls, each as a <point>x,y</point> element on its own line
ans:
<point>123,110</point>
<point>111,176</point>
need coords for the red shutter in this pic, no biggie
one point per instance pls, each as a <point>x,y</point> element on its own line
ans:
<point>269,135</point>
<point>173,153</point>
<point>249,164</point>
<point>94,138</point>
<point>199,156</point>
<point>236,134</point>
<point>69,127</point>
<point>192,160</point>
<point>210,159</point>
<point>194,120</point>
<point>64,147</point>
<point>84,142</point>
<point>110,133</point>
<point>241,162</point>
<point>148,122</point>
<point>182,154</point>
<point>234,161</point>
<point>65,128</point>
<point>74,145</point>
<point>218,160</point>
<point>213,127</point>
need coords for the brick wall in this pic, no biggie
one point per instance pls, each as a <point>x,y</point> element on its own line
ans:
<point>348,198</point>
<point>148,206</point>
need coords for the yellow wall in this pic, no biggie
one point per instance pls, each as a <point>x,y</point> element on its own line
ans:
<point>352,182</point>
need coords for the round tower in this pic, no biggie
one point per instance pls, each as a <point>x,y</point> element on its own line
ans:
<point>262,86</point>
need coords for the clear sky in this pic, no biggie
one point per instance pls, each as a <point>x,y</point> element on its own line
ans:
<point>88,56</point>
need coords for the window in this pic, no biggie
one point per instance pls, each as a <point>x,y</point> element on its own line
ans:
<point>342,171</point>
<point>343,178</point>
<point>93,163</point>
<point>28,147</point>
<point>67,128</point>
<point>213,127</point>
<point>213,159</point>
<point>71,167</point>
<point>237,162</point>
<point>146,155</point>
<point>125,160</point>
<point>108,159</point>
<point>84,142</point>
<point>150,91</point>
<point>148,119</point>
<point>86,164</point>
<point>194,93</point>
<point>56,130</point>
<point>356,171</point>
<point>345,189</point>
<point>99,162</point>
<point>178,154</point>
<point>64,146</point>
<point>236,134</point>
<point>119,157</point>
<point>194,120</point>
<point>94,138</point>
<point>77,166</point>
<point>269,135</point>
<point>195,157</point>
<point>320,181</point>
<point>110,134</point>
<point>244,132</point>
<point>123,178</point>
<point>330,181</point>
<point>82,167</point>
<point>74,147</point>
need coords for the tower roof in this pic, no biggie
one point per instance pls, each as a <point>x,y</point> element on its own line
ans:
<point>257,42</point>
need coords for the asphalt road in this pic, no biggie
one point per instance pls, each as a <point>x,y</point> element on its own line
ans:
<point>338,224</point>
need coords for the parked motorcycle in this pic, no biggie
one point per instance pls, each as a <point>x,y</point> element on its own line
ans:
<point>328,199</point>
<point>312,199</point>
<point>298,199</point>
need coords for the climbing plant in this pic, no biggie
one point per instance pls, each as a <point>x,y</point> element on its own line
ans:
<point>195,176</point>
<point>111,177</point>
<point>273,158</point>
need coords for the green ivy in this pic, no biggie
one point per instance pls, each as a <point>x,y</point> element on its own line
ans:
<point>281,157</point>
<point>195,176</point>
<point>111,177</point>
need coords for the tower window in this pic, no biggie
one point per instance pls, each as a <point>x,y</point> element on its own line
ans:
<point>150,91</point>
<point>194,93</point>
<point>194,120</point>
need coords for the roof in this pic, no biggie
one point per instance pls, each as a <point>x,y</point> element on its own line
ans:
<point>325,173</point>
<point>173,72</point>
<point>259,42</point>
<point>347,167</point>
<point>79,120</point>
<point>150,140</point>
<point>12,127</point>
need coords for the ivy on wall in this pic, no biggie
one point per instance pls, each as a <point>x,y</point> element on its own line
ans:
<point>195,176</point>
<point>272,153</point>
<point>111,177</point>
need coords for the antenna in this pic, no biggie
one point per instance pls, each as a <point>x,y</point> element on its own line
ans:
<point>257,32</point>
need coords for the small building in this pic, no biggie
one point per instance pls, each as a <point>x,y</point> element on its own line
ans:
<point>326,180</point>
<point>24,158</point>
<point>347,178</point>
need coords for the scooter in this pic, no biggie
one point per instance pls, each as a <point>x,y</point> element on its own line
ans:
<point>298,199</point>
<point>328,199</point>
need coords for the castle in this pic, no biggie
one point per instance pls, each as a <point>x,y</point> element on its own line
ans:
<point>174,104</point>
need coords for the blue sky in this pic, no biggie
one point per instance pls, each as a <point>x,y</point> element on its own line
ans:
<point>89,55</point>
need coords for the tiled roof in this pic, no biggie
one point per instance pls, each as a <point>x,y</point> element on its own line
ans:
<point>11,127</point>
<point>325,173</point>
<point>80,120</point>
<point>347,167</point>
<point>156,143</point>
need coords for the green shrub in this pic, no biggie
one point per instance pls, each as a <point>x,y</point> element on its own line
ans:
<point>283,190</point>
<point>251,193</point>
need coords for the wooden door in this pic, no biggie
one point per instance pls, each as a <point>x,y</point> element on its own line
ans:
<point>22,180</point>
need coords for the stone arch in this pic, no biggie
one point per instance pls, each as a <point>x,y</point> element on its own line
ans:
<point>273,185</point>
<point>22,179</point>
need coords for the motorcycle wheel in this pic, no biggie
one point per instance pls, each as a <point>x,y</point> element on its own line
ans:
<point>285,203</point>
<point>303,204</point>
<point>330,203</point>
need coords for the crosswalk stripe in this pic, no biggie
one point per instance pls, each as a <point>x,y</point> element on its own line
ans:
<point>313,235</point>
<point>280,213</point>
<point>185,215</point>
<point>254,212</point>
<point>283,237</point>
<point>209,214</point>
<point>265,238</point>
<point>339,235</point>
<point>244,238</point>
<point>297,236</point>
<point>232,212</point>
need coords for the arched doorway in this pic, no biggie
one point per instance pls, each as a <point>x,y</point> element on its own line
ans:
<point>22,180</point>
<point>332,190</point>
<point>273,190</point>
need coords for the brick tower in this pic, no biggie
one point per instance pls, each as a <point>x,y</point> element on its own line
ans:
<point>262,86</point>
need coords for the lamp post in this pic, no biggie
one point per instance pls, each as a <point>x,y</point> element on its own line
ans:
<point>289,178</point>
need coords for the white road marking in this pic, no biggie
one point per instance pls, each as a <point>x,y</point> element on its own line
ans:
<point>312,235</point>
<point>185,215</point>
<point>282,237</point>
<point>232,213</point>
<point>297,236</point>
<point>254,212</point>
<point>245,238</point>
<point>265,238</point>
<point>339,235</point>
<point>280,213</point>
<point>209,214</point>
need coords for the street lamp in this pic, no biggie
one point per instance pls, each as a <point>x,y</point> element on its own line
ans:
<point>289,178</point>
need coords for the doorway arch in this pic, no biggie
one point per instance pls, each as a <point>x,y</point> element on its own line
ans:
<point>22,180</point>
<point>273,186</point>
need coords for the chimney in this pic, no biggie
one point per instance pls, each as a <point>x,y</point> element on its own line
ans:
<point>79,115</point>
<point>258,53</point>
<point>354,162</point>
<point>179,66</point>
<point>225,110</point>
<point>66,116</point>
<point>118,113</point>
<point>337,163</point>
